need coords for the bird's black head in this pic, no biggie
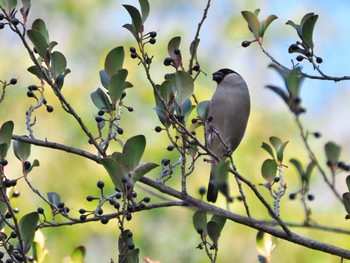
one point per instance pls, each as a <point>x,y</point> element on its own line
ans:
<point>219,75</point>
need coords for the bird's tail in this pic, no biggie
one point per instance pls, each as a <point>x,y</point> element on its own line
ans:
<point>218,181</point>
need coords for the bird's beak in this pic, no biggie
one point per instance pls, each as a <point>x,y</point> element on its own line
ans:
<point>217,76</point>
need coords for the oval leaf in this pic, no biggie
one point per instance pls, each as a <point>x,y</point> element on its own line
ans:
<point>200,221</point>
<point>27,228</point>
<point>142,169</point>
<point>214,232</point>
<point>253,23</point>
<point>134,148</point>
<point>114,61</point>
<point>78,255</point>
<point>346,200</point>
<point>54,198</point>
<point>58,63</point>
<point>22,150</point>
<point>39,42</point>
<point>269,170</point>
<point>6,131</point>
<point>348,182</point>
<point>101,100</point>
<point>183,85</point>
<point>39,25</point>
<point>203,109</point>
<point>332,152</point>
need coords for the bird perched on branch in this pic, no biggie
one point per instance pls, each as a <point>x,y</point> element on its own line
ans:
<point>225,126</point>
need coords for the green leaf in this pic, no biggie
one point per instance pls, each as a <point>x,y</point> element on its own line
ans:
<point>183,85</point>
<point>27,228</point>
<point>200,221</point>
<point>144,9</point>
<point>114,61</point>
<point>37,71</point>
<point>54,198</point>
<point>308,172</point>
<point>165,90</point>
<point>332,152</point>
<point>214,232</point>
<point>117,85</point>
<point>58,64</point>
<point>280,151</point>
<point>132,30</point>
<point>38,247</point>
<point>253,23</point>
<point>134,148</point>
<point>346,200</point>
<point>135,17</point>
<point>279,92</point>
<point>293,82</point>
<point>307,27</point>
<point>6,131</point>
<point>219,220</point>
<point>162,115</point>
<point>39,25</point>
<point>276,142</point>
<point>265,24</point>
<point>115,170</point>
<point>269,170</point>
<point>194,48</point>
<point>61,77</point>
<point>104,79</point>
<point>268,148</point>
<point>298,166</point>
<point>348,182</point>
<point>125,239</point>
<point>203,109</point>
<point>142,169</point>
<point>78,255</point>
<point>22,150</point>
<point>101,100</point>
<point>39,42</point>
<point>26,6</point>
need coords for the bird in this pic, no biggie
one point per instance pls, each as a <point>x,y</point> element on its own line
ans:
<point>226,123</point>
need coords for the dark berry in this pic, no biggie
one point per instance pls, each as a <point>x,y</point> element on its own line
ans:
<point>196,67</point>
<point>100,211</point>
<point>300,58</point>
<point>194,120</point>
<point>310,197</point>
<point>132,50</point>
<point>317,134</point>
<point>120,130</point>
<point>8,215</point>
<point>99,119</point>
<point>116,205</point>
<point>148,61</point>
<point>294,47</point>
<point>60,205</point>
<point>33,87</point>
<point>277,179</point>
<point>128,217</point>
<point>319,60</point>
<point>30,94</point>
<point>104,220</point>
<point>202,191</point>
<point>40,210</point>
<point>15,21</point>
<point>123,94</point>
<point>292,196</point>
<point>89,198</point>
<point>2,25</point>
<point>177,51</point>
<point>100,184</point>
<point>133,55</point>
<point>246,43</point>
<point>134,194</point>
<point>166,162</point>
<point>83,217</point>
<point>118,195</point>
<point>13,234</point>
<point>1,253</point>
<point>146,199</point>
<point>27,165</point>
<point>13,81</point>
<point>4,162</point>
<point>158,129</point>
<point>152,40</point>
<point>49,108</point>
<point>153,34</point>
<point>131,246</point>
<point>100,113</point>
<point>130,109</point>
<point>7,183</point>
<point>168,61</point>
<point>82,211</point>
<point>170,148</point>
<point>199,230</point>
<point>2,16</point>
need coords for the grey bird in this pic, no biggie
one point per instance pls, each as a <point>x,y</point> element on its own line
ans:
<point>225,126</point>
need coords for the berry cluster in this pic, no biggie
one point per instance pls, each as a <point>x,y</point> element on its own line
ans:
<point>32,89</point>
<point>304,52</point>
